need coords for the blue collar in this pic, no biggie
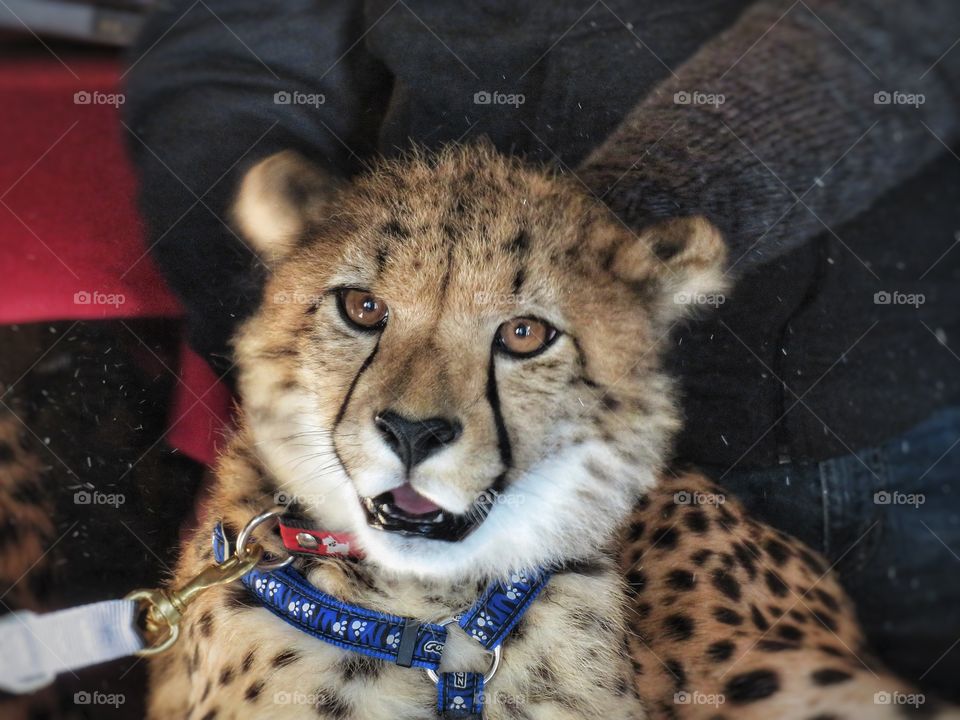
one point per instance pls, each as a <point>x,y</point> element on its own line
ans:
<point>403,641</point>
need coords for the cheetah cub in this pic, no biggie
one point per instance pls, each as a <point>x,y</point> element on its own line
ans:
<point>456,365</point>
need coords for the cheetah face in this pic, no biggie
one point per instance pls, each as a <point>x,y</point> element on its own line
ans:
<point>456,358</point>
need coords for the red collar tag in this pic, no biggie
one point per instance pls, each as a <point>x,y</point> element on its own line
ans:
<point>307,541</point>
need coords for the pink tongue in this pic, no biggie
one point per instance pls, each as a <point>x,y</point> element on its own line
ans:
<point>412,502</point>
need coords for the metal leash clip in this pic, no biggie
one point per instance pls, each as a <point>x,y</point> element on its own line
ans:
<point>162,609</point>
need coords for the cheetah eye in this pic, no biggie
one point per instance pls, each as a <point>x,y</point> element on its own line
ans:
<point>525,337</point>
<point>361,308</point>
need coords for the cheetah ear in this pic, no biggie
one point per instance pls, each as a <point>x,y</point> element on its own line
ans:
<point>678,264</point>
<point>279,199</point>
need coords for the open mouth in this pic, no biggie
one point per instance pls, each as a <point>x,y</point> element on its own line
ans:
<point>406,512</point>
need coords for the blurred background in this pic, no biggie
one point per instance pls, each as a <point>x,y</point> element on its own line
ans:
<point>95,382</point>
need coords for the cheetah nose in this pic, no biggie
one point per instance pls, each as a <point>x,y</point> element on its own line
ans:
<point>415,440</point>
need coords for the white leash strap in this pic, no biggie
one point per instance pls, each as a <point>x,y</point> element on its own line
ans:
<point>37,647</point>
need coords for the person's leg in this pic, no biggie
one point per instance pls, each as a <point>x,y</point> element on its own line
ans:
<point>908,587</point>
<point>889,519</point>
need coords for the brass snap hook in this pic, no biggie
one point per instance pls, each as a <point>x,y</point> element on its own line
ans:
<point>164,609</point>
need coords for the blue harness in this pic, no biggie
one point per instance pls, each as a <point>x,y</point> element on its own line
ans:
<point>403,641</point>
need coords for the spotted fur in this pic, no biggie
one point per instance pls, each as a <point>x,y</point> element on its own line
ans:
<point>567,441</point>
<point>26,532</point>
<point>732,619</point>
<point>25,516</point>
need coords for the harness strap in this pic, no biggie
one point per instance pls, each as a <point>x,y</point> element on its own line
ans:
<point>289,596</point>
<point>501,607</point>
<point>460,695</point>
<point>404,641</point>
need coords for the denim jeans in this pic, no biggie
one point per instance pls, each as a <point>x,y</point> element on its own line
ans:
<point>889,517</point>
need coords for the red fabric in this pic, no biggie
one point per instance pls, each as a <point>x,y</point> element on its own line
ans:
<point>71,244</point>
<point>201,412</point>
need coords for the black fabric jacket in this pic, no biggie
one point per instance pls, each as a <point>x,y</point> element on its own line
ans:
<point>799,128</point>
